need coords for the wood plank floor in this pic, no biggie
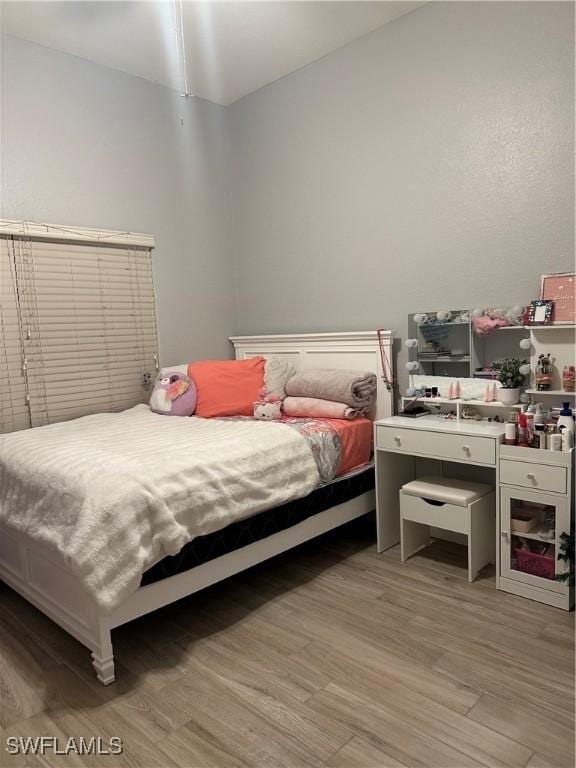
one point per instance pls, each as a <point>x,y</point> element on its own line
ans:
<point>330,655</point>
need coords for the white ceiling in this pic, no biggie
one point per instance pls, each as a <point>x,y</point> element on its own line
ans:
<point>231,47</point>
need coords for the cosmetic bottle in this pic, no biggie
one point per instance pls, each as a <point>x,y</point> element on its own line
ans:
<point>510,432</point>
<point>567,439</point>
<point>539,436</point>
<point>530,427</point>
<point>566,427</point>
<point>522,430</point>
<point>539,416</point>
<point>555,441</point>
<point>566,419</point>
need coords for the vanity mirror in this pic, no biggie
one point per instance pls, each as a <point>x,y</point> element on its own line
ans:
<point>443,342</point>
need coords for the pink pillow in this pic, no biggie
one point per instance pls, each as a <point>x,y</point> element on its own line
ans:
<point>174,394</point>
<point>227,387</point>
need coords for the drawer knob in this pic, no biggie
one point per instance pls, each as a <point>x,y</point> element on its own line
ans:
<point>530,476</point>
<point>466,448</point>
<point>397,439</point>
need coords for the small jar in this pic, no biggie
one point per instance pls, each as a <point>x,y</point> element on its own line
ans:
<point>555,441</point>
<point>569,378</point>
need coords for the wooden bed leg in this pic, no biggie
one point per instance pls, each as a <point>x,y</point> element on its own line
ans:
<point>104,666</point>
<point>103,655</point>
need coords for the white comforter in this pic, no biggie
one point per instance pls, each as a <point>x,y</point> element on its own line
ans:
<point>115,493</point>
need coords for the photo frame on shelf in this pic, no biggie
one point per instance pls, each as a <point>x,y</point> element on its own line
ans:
<point>540,312</point>
<point>560,288</point>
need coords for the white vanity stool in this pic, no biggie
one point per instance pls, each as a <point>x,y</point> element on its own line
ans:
<point>452,505</point>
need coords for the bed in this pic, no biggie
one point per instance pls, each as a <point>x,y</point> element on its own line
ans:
<point>115,588</point>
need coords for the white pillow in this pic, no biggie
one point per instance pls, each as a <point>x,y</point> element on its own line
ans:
<point>277,371</point>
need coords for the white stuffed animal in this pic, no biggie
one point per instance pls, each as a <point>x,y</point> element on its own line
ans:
<point>268,411</point>
<point>268,407</point>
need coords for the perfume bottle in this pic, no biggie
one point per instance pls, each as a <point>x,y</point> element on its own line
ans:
<point>510,431</point>
<point>523,430</point>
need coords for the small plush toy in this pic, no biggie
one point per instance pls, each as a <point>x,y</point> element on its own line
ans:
<point>174,394</point>
<point>486,325</point>
<point>268,407</point>
<point>515,314</point>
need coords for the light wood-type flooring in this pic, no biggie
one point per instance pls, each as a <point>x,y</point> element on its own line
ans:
<point>330,655</point>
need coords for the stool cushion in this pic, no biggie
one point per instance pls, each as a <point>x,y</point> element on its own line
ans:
<point>447,489</point>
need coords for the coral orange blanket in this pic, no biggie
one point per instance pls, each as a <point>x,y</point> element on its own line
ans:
<point>356,437</point>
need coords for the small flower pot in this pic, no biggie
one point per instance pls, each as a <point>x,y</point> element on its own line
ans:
<point>508,396</point>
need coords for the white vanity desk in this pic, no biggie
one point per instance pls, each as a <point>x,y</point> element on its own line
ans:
<point>403,445</point>
<point>407,448</point>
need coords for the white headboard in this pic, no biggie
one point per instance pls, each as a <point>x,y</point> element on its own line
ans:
<point>355,350</point>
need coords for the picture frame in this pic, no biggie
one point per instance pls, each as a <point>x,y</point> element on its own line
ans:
<point>540,312</point>
<point>560,288</point>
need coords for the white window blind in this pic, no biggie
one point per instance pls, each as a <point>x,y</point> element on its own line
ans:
<point>87,321</point>
<point>14,411</point>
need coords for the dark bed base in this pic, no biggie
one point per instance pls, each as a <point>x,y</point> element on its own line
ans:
<point>260,526</point>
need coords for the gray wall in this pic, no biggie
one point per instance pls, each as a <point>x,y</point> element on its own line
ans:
<point>88,146</point>
<point>427,165</point>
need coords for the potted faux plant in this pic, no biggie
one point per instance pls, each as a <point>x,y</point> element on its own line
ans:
<point>566,555</point>
<point>510,378</point>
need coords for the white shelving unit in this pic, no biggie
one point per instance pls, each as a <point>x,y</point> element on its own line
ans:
<point>458,404</point>
<point>538,479</point>
<point>559,341</point>
<point>539,482</point>
<point>551,393</point>
<point>549,327</point>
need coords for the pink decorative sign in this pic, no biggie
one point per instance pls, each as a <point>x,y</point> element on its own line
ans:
<point>561,290</point>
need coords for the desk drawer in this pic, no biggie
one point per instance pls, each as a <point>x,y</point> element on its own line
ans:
<point>531,475</point>
<point>480,450</point>
<point>449,517</point>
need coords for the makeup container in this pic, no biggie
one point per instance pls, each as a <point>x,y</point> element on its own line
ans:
<point>539,436</point>
<point>555,441</point>
<point>530,427</point>
<point>567,439</point>
<point>522,430</point>
<point>569,378</point>
<point>510,433</point>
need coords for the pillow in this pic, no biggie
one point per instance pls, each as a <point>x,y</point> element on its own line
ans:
<point>227,387</point>
<point>277,371</point>
<point>174,394</point>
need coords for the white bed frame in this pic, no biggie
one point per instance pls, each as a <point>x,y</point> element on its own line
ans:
<point>49,585</point>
